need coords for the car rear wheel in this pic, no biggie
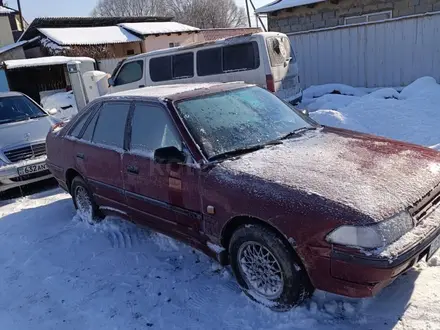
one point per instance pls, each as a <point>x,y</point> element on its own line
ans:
<point>83,201</point>
<point>268,271</point>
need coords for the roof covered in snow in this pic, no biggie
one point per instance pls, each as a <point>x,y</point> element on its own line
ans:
<point>6,10</point>
<point>174,91</point>
<point>89,35</point>
<point>147,28</point>
<point>44,61</point>
<point>283,4</point>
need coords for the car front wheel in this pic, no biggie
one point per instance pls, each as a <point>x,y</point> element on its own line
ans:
<point>268,271</point>
<point>83,201</point>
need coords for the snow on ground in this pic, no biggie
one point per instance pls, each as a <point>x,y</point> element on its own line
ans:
<point>413,115</point>
<point>64,102</point>
<point>61,273</point>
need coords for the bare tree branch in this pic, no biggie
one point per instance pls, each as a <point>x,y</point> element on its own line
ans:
<point>198,13</point>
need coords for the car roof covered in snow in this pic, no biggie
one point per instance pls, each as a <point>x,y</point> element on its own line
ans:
<point>9,94</point>
<point>44,61</point>
<point>178,91</point>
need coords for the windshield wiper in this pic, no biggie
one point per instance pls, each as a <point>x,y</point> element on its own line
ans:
<point>296,132</point>
<point>14,120</point>
<point>241,151</point>
<point>37,116</point>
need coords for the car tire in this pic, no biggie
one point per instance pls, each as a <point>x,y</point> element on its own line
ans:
<point>86,207</point>
<point>267,269</point>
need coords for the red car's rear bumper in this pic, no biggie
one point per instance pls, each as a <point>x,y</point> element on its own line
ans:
<point>359,276</point>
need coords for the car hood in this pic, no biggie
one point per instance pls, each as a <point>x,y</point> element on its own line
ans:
<point>24,132</point>
<point>376,176</point>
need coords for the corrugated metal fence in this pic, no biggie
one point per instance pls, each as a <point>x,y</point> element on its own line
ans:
<point>108,65</point>
<point>390,53</point>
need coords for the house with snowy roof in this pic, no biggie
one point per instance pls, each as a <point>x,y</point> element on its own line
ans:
<point>304,15</point>
<point>10,25</point>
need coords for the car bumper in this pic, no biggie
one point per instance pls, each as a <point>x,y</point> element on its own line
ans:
<point>9,177</point>
<point>358,276</point>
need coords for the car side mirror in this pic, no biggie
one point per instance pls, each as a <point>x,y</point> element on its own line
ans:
<point>52,111</point>
<point>305,112</point>
<point>169,155</point>
<point>111,81</point>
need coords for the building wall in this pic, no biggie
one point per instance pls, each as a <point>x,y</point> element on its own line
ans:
<point>6,36</point>
<point>14,54</point>
<point>383,54</point>
<point>327,14</point>
<point>163,41</point>
<point>121,50</point>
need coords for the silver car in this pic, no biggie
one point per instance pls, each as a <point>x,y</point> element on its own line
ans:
<point>23,129</point>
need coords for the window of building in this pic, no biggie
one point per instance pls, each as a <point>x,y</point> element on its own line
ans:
<point>130,52</point>
<point>373,17</point>
<point>174,44</point>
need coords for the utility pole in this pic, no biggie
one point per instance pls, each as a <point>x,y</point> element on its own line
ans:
<point>248,13</point>
<point>21,15</point>
<point>258,16</point>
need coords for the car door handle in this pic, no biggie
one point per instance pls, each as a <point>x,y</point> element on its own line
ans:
<point>80,155</point>
<point>132,169</point>
<point>141,86</point>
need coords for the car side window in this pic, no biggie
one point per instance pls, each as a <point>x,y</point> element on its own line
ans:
<point>152,128</point>
<point>88,133</point>
<point>130,72</point>
<point>111,123</point>
<point>79,125</point>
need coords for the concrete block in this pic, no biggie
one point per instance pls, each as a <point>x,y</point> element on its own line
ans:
<point>403,12</point>
<point>401,5</point>
<point>329,14</point>
<point>333,22</point>
<point>436,6</point>
<point>316,18</point>
<point>414,2</point>
<point>319,25</point>
<point>370,9</point>
<point>293,20</point>
<point>421,9</point>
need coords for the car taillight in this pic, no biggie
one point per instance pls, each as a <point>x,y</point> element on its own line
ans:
<point>270,83</point>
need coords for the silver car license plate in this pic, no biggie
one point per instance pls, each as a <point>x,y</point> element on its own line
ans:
<point>435,245</point>
<point>29,169</point>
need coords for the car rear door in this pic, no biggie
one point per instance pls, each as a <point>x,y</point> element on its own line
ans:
<point>164,196</point>
<point>131,75</point>
<point>99,151</point>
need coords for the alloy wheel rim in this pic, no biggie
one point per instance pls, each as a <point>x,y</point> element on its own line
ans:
<point>260,270</point>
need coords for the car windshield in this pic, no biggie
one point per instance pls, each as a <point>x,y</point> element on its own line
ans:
<point>18,108</point>
<point>241,119</point>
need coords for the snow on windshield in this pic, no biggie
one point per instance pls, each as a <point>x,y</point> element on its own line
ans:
<point>238,119</point>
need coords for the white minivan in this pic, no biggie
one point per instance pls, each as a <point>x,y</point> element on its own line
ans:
<point>266,59</point>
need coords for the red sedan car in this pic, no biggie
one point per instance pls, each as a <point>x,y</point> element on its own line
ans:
<point>246,178</point>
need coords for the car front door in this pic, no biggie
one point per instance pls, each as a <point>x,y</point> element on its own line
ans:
<point>131,75</point>
<point>99,152</point>
<point>164,195</point>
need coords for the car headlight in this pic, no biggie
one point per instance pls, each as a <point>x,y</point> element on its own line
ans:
<point>372,236</point>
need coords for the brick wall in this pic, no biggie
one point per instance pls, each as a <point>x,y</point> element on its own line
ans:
<point>328,14</point>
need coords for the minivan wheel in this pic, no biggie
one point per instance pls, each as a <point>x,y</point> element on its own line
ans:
<point>268,271</point>
<point>83,201</point>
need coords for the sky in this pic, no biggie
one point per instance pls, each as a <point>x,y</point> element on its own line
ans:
<point>45,8</point>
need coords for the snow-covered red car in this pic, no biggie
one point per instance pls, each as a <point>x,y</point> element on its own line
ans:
<point>248,179</point>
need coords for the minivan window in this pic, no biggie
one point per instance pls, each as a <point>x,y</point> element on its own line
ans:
<point>160,68</point>
<point>172,67</point>
<point>18,108</point>
<point>130,72</point>
<point>110,128</point>
<point>219,60</point>
<point>183,65</point>
<point>209,62</point>
<point>152,128</point>
<point>241,57</point>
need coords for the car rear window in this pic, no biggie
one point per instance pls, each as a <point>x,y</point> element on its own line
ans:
<point>279,50</point>
<point>110,128</point>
